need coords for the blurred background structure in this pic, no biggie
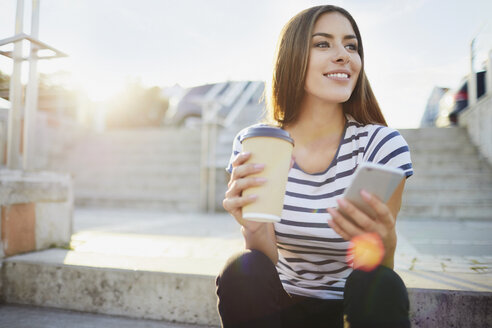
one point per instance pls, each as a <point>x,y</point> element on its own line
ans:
<point>113,157</point>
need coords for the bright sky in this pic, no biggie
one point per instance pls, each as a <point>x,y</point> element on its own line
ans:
<point>410,45</point>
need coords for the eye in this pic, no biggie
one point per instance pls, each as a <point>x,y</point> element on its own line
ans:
<point>351,46</point>
<point>322,44</point>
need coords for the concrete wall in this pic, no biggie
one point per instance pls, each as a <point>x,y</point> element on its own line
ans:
<point>36,211</point>
<point>478,122</point>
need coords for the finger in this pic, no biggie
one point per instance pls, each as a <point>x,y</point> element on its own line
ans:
<point>241,158</point>
<point>382,210</point>
<point>337,229</point>
<point>362,220</point>
<point>292,161</point>
<point>244,170</point>
<point>346,229</point>
<point>237,186</point>
<point>235,203</point>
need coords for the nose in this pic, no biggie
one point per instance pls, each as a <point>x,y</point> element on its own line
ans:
<point>341,56</point>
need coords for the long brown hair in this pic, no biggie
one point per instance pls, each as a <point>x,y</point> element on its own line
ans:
<point>289,74</point>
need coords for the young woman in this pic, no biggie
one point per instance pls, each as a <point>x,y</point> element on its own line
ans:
<point>296,273</point>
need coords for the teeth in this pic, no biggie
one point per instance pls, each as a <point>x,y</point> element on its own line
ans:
<point>340,75</point>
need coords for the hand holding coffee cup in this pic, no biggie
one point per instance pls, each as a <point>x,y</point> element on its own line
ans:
<point>240,180</point>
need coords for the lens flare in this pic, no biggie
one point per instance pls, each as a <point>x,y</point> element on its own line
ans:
<point>367,251</point>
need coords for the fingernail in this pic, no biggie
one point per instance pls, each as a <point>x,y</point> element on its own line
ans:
<point>261,180</point>
<point>342,202</point>
<point>365,194</point>
<point>246,153</point>
<point>253,196</point>
<point>259,166</point>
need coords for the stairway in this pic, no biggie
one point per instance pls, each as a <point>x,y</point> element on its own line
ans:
<point>160,168</point>
<point>156,168</point>
<point>450,181</point>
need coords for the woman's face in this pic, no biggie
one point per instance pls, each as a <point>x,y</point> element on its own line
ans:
<point>334,63</point>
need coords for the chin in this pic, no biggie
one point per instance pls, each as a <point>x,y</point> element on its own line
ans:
<point>337,100</point>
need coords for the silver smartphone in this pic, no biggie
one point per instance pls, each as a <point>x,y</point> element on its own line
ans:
<point>376,179</point>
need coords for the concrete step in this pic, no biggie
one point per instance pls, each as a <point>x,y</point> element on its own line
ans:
<point>443,157</point>
<point>124,203</point>
<point>433,133</point>
<point>457,165</point>
<point>462,139</point>
<point>470,175</point>
<point>448,183</point>
<point>139,158</point>
<point>17,316</point>
<point>111,150</point>
<point>456,196</point>
<point>164,196</point>
<point>440,210</point>
<point>146,169</point>
<point>172,290</point>
<point>131,174</point>
<point>121,181</point>
<point>126,186</point>
<point>182,201</point>
<point>463,151</point>
<point>134,286</point>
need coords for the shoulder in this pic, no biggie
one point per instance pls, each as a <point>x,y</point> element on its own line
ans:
<point>382,135</point>
<point>373,132</point>
<point>384,145</point>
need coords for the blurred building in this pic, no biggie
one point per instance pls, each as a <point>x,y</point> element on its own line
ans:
<point>234,102</point>
<point>432,108</point>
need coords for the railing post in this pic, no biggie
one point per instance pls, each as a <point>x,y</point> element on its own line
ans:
<point>31,93</point>
<point>211,163</point>
<point>209,139</point>
<point>472,78</point>
<point>15,96</point>
<point>204,161</point>
<point>488,82</point>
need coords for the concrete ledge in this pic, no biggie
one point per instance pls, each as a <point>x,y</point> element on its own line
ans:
<point>36,211</point>
<point>445,308</point>
<point>18,187</point>
<point>135,293</point>
<point>45,279</point>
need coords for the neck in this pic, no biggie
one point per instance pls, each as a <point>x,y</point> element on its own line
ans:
<point>317,121</point>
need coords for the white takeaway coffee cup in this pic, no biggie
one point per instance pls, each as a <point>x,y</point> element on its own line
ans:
<point>272,147</point>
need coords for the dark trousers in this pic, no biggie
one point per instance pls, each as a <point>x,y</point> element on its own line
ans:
<point>250,294</point>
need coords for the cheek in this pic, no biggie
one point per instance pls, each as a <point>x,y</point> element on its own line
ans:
<point>356,64</point>
<point>356,67</point>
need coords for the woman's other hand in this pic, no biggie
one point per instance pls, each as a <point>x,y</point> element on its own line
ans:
<point>355,222</point>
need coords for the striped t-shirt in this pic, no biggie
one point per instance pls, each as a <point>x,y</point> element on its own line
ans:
<point>313,258</point>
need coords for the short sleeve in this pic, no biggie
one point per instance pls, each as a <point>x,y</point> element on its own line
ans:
<point>236,150</point>
<point>388,147</point>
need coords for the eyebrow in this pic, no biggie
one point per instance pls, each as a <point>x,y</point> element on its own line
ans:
<point>330,36</point>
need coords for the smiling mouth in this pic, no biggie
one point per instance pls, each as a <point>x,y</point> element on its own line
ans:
<point>337,75</point>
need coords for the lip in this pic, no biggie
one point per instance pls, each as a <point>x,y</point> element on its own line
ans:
<point>338,71</point>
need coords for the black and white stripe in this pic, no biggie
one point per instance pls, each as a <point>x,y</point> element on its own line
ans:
<point>314,259</point>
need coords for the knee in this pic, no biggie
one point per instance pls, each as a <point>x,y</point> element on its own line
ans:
<point>247,264</point>
<point>381,278</point>
<point>379,295</point>
<point>247,268</point>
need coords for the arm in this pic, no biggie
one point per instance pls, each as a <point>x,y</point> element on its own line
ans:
<point>259,236</point>
<point>394,205</point>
